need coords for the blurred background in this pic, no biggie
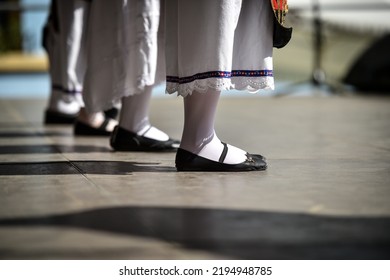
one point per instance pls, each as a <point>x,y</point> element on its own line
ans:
<point>336,46</point>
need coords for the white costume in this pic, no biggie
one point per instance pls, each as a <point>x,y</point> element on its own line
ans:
<point>224,44</point>
<point>64,42</point>
<point>122,51</point>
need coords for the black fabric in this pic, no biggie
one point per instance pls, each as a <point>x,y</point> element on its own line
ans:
<point>282,35</point>
<point>371,71</point>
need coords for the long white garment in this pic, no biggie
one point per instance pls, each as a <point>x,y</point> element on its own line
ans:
<point>218,44</point>
<point>64,44</point>
<point>123,51</point>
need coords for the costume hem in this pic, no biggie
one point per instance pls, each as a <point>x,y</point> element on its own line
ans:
<point>251,84</point>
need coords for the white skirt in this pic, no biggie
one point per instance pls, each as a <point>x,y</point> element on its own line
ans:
<point>64,42</point>
<point>219,45</point>
<point>123,51</point>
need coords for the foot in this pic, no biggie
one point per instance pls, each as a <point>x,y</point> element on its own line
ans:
<point>67,103</point>
<point>150,139</point>
<point>187,161</point>
<point>63,108</point>
<point>94,124</point>
<point>215,147</point>
<point>218,156</point>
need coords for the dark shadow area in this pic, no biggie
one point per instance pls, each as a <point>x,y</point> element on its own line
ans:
<point>371,71</point>
<point>51,149</point>
<point>119,167</point>
<point>233,233</point>
<point>37,168</point>
<point>80,167</point>
<point>11,134</point>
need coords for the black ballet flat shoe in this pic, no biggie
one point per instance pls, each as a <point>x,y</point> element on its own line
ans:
<point>83,129</point>
<point>187,161</point>
<point>124,140</point>
<point>53,117</point>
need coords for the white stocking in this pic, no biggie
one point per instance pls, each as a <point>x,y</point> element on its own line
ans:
<point>198,133</point>
<point>134,116</point>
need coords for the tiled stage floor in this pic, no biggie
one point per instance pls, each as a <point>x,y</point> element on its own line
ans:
<point>326,194</point>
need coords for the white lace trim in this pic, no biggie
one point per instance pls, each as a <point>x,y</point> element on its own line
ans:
<point>251,84</point>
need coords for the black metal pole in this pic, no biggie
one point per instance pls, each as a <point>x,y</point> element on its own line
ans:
<point>318,75</point>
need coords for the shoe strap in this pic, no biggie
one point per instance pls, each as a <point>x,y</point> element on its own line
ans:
<point>146,131</point>
<point>103,126</point>
<point>224,152</point>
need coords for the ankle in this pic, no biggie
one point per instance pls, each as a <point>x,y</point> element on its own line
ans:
<point>213,148</point>
<point>149,131</point>
<point>138,127</point>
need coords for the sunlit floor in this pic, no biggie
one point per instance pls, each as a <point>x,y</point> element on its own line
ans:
<point>325,195</point>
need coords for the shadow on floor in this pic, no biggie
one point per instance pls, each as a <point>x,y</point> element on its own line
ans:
<point>80,167</point>
<point>234,233</point>
<point>14,134</point>
<point>51,149</point>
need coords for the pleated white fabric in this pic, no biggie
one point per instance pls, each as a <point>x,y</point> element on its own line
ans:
<point>64,42</point>
<point>123,51</point>
<point>219,45</point>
